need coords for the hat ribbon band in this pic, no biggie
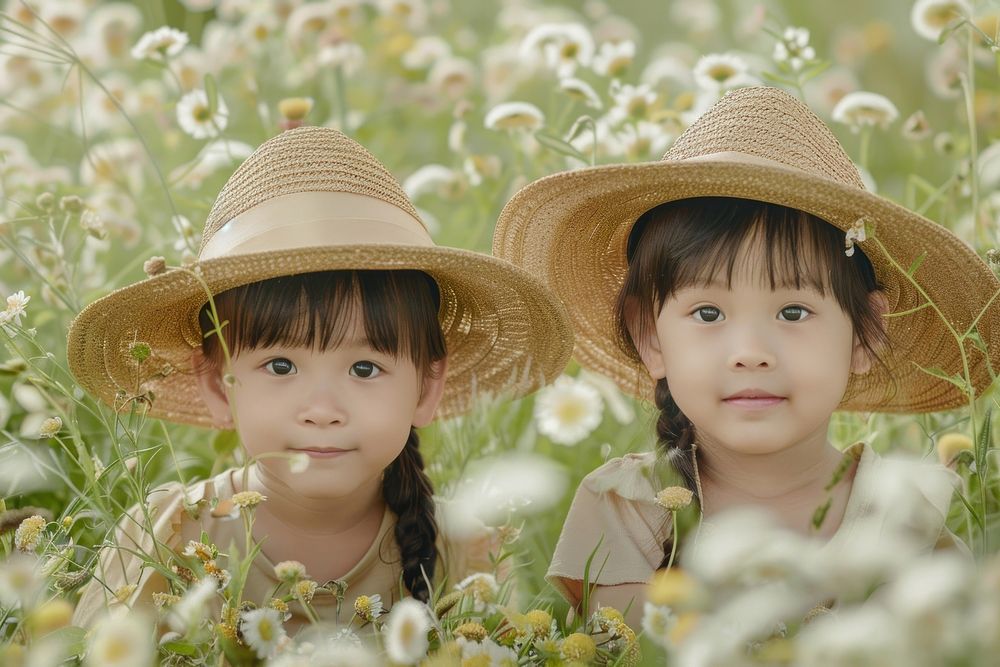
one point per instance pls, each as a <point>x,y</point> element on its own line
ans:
<point>315,219</point>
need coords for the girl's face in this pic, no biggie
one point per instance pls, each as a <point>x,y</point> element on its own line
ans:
<point>756,370</point>
<point>349,409</point>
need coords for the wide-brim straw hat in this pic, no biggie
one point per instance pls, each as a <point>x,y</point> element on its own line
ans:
<point>571,229</point>
<point>311,199</point>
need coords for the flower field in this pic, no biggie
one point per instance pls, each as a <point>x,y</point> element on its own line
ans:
<point>120,122</point>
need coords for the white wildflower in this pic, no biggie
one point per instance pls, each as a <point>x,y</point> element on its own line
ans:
<point>931,17</point>
<point>860,109</point>
<point>262,630</point>
<point>643,139</point>
<point>563,46</point>
<point>496,655</point>
<point>568,410</point>
<point>425,52</point>
<point>613,59</point>
<point>368,607</point>
<point>346,55</point>
<point>452,76</point>
<point>484,590</point>
<point>406,632</point>
<point>793,49</point>
<point>657,621</point>
<point>197,119</point>
<point>190,611</point>
<point>514,116</point>
<point>580,90</point>
<point>16,304</point>
<point>298,463</point>
<point>864,635</point>
<point>496,486</point>
<point>719,72</point>
<point>435,179</point>
<point>50,427</point>
<point>120,641</point>
<point>413,13</point>
<point>160,44</point>
<point>855,234</point>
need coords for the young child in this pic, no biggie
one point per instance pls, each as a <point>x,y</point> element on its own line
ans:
<point>343,329</point>
<point>733,283</point>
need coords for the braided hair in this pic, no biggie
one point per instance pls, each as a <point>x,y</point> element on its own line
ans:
<point>399,312</point>
<point>693,241</point>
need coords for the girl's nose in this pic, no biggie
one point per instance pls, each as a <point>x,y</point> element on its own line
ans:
<point>752,350</point>
<point>323,407</point>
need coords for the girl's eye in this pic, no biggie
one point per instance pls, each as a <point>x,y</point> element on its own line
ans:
<point>280,366</point>
<point>793,314</point>
<point>708,314</point>
<point>365,369</point>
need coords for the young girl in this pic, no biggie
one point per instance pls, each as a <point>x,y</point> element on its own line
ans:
<point>739,283</point>
<point>343,328</point>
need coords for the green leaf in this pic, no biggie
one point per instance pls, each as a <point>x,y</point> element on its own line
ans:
<point>553,142</point>
<point>179,647</point>
<point>955,379</point>
<point>578,125</point>
<point>916,264</point>
<point>225,443</point>
<point>977,341</point>
<point>983,444</point>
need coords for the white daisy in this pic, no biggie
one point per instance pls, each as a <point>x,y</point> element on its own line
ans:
<point>116,23</point>
<point>16,304</point>
<point>197,119</point>
<point>346,55</point>
<point>580,90</point>
<point>931,17</point>
<point>120,641</point>
<point>514,116</point>
<point>483,588</point>
<point>630,102</point>
<point>425,52</point>
<point>657,620</point>
<point>563,46</point>
<point>568,410</point>
<point>190,611</point>
<point>452,76</point>
<point>20,580</point>
<point>435,179</point>
<point>406,632</point>
<point>160,44</point>
<point>262,631</point>
<point>613,59</point>
<point>861,108</point>
<point>721,71</point>
<point>411,12</point>
<point>643,139</point>
<point>496,655</point>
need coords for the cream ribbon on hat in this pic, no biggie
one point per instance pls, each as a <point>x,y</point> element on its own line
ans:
<point>315,219</point>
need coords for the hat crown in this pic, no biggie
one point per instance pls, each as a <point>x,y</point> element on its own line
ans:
<point>767,123</point>
<point>305,159</point>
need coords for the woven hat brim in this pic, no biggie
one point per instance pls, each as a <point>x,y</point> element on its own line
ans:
<point>571,229</point>
<point>505,333</point>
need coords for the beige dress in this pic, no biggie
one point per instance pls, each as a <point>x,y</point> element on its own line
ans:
<point>174,524</point>
<point>616,503</point>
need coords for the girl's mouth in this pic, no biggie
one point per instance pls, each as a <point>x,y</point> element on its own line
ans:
<point>753,399</point>
<point>323,452</point>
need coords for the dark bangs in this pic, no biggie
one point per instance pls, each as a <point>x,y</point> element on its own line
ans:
<point>398,311</point>
<point>697,241</point>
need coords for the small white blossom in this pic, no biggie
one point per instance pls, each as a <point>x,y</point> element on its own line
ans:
<point>855,234</point>
<point>160,44</point>
<point>793,49</point>
<point>931,17</point>
<point>563,46</point>
<point>568,411</point>
<point>860,109</point>
<point>580,90</point>
<point>613,59</point>
<point>16,304</point>
<point>262,630</point>
<point>346,55</point>
<point>719,72</point>
<point>197,119</point>
<point>406,632</point>
<point>120,641</point>
<point>514,116</point>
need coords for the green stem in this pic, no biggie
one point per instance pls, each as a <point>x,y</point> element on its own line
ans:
<point>673,546</point>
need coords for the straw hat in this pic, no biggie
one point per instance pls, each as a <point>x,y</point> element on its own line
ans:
<point>571,229</point>
<point>312,199</point>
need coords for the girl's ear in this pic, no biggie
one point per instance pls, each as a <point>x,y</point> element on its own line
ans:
<point>430,393</point>
<point>646,341</point>
<point>211,390</point>
<point>861,359</point>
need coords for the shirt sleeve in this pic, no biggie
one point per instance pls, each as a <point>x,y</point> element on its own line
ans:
<point>130,559</point>
<point>615,518</point>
